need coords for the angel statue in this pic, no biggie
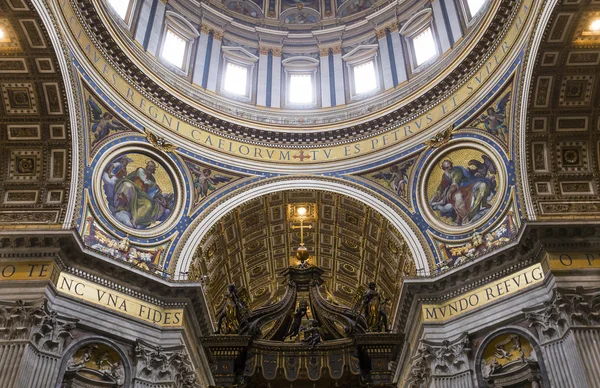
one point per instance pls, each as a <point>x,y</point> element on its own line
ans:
<point>312,335</point>
<point>397,177</point>
<point>372,305</point>
<point>205,181</point>
<point>232,314</point>
<point>103,122</point>
<point>493,119</point>
<point>300,312</point>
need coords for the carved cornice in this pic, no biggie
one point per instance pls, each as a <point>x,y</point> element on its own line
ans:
<point>566,309</point>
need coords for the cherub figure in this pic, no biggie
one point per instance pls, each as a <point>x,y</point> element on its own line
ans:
<point>493,119</point>
<point>103,122</point>
<point>205,181</point>
<point>397,177</point>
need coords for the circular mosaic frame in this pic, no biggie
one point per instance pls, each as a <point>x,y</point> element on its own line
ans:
<point>172,171</point>
<point>438,155</point>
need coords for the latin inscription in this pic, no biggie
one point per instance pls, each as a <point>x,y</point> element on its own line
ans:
<point>116,301</point>
<point>484,295</point>
<point>25,271</point>
<point>573,260</point>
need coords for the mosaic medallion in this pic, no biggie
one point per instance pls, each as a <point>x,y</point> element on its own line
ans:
<point>136,189</point>
<point>463,187</point>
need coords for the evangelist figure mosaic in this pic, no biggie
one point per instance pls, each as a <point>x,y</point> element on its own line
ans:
<point>463,188</point>
<point>138,190</point>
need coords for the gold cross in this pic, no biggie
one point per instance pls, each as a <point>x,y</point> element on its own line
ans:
<point>302,227</point>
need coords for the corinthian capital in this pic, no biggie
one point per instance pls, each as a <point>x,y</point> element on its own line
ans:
<point>566,308</point>
<point>445,358</point>
<point>37,322</point>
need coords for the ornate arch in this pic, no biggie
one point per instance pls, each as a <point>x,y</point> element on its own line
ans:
<point>75,346</point>
<point>528,335</point>
<point>392,213</point>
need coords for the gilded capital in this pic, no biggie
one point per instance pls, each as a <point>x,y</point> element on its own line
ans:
<point>218,35</point>
<point>380,32</point>
<point>205,29</point>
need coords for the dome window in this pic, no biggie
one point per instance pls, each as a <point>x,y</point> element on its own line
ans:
<point>361,65</point>
<point>301,91</point>
<point>301,76</point>
<point>236,79</point>
<point>474,6</point>
<point>424,46</point>
<point>174,48</point>
<point>365,79</point>
<point>238,72</point>
<point>177,41</point>
<point>122,8</point>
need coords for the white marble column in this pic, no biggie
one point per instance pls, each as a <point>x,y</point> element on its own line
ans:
<point>215,60</point>
<point>338,71</point>
<point>443,30</point>
<point>453,20</point>
<point>276,78</point>
<point>399,59</point>
<point>200,61</point>
<point>386,63</point>
<point>143,20</point>
<point>263,73</point>
<point>156,27</point>
<point>325,78</point>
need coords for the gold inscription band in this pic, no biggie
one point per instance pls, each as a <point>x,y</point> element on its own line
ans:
<point>34,270</point>
<point>562,261</point>
<point>117,301</point>
<point>484,295</point>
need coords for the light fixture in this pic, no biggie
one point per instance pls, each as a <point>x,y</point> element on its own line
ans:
<point>1,33</point>
<point>595,25</point>
<point>301,211</point>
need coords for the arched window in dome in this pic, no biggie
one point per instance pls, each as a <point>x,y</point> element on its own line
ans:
<point>177,41</point>
<point>301,82</point>
<point>422,44</point>
<point>123,9</point>
<point>238,72</point>
<point>362,70</point>
<point>474,6</point>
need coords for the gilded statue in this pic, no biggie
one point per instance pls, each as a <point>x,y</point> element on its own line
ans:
<point>372,305</point>
<point>233,313</point>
